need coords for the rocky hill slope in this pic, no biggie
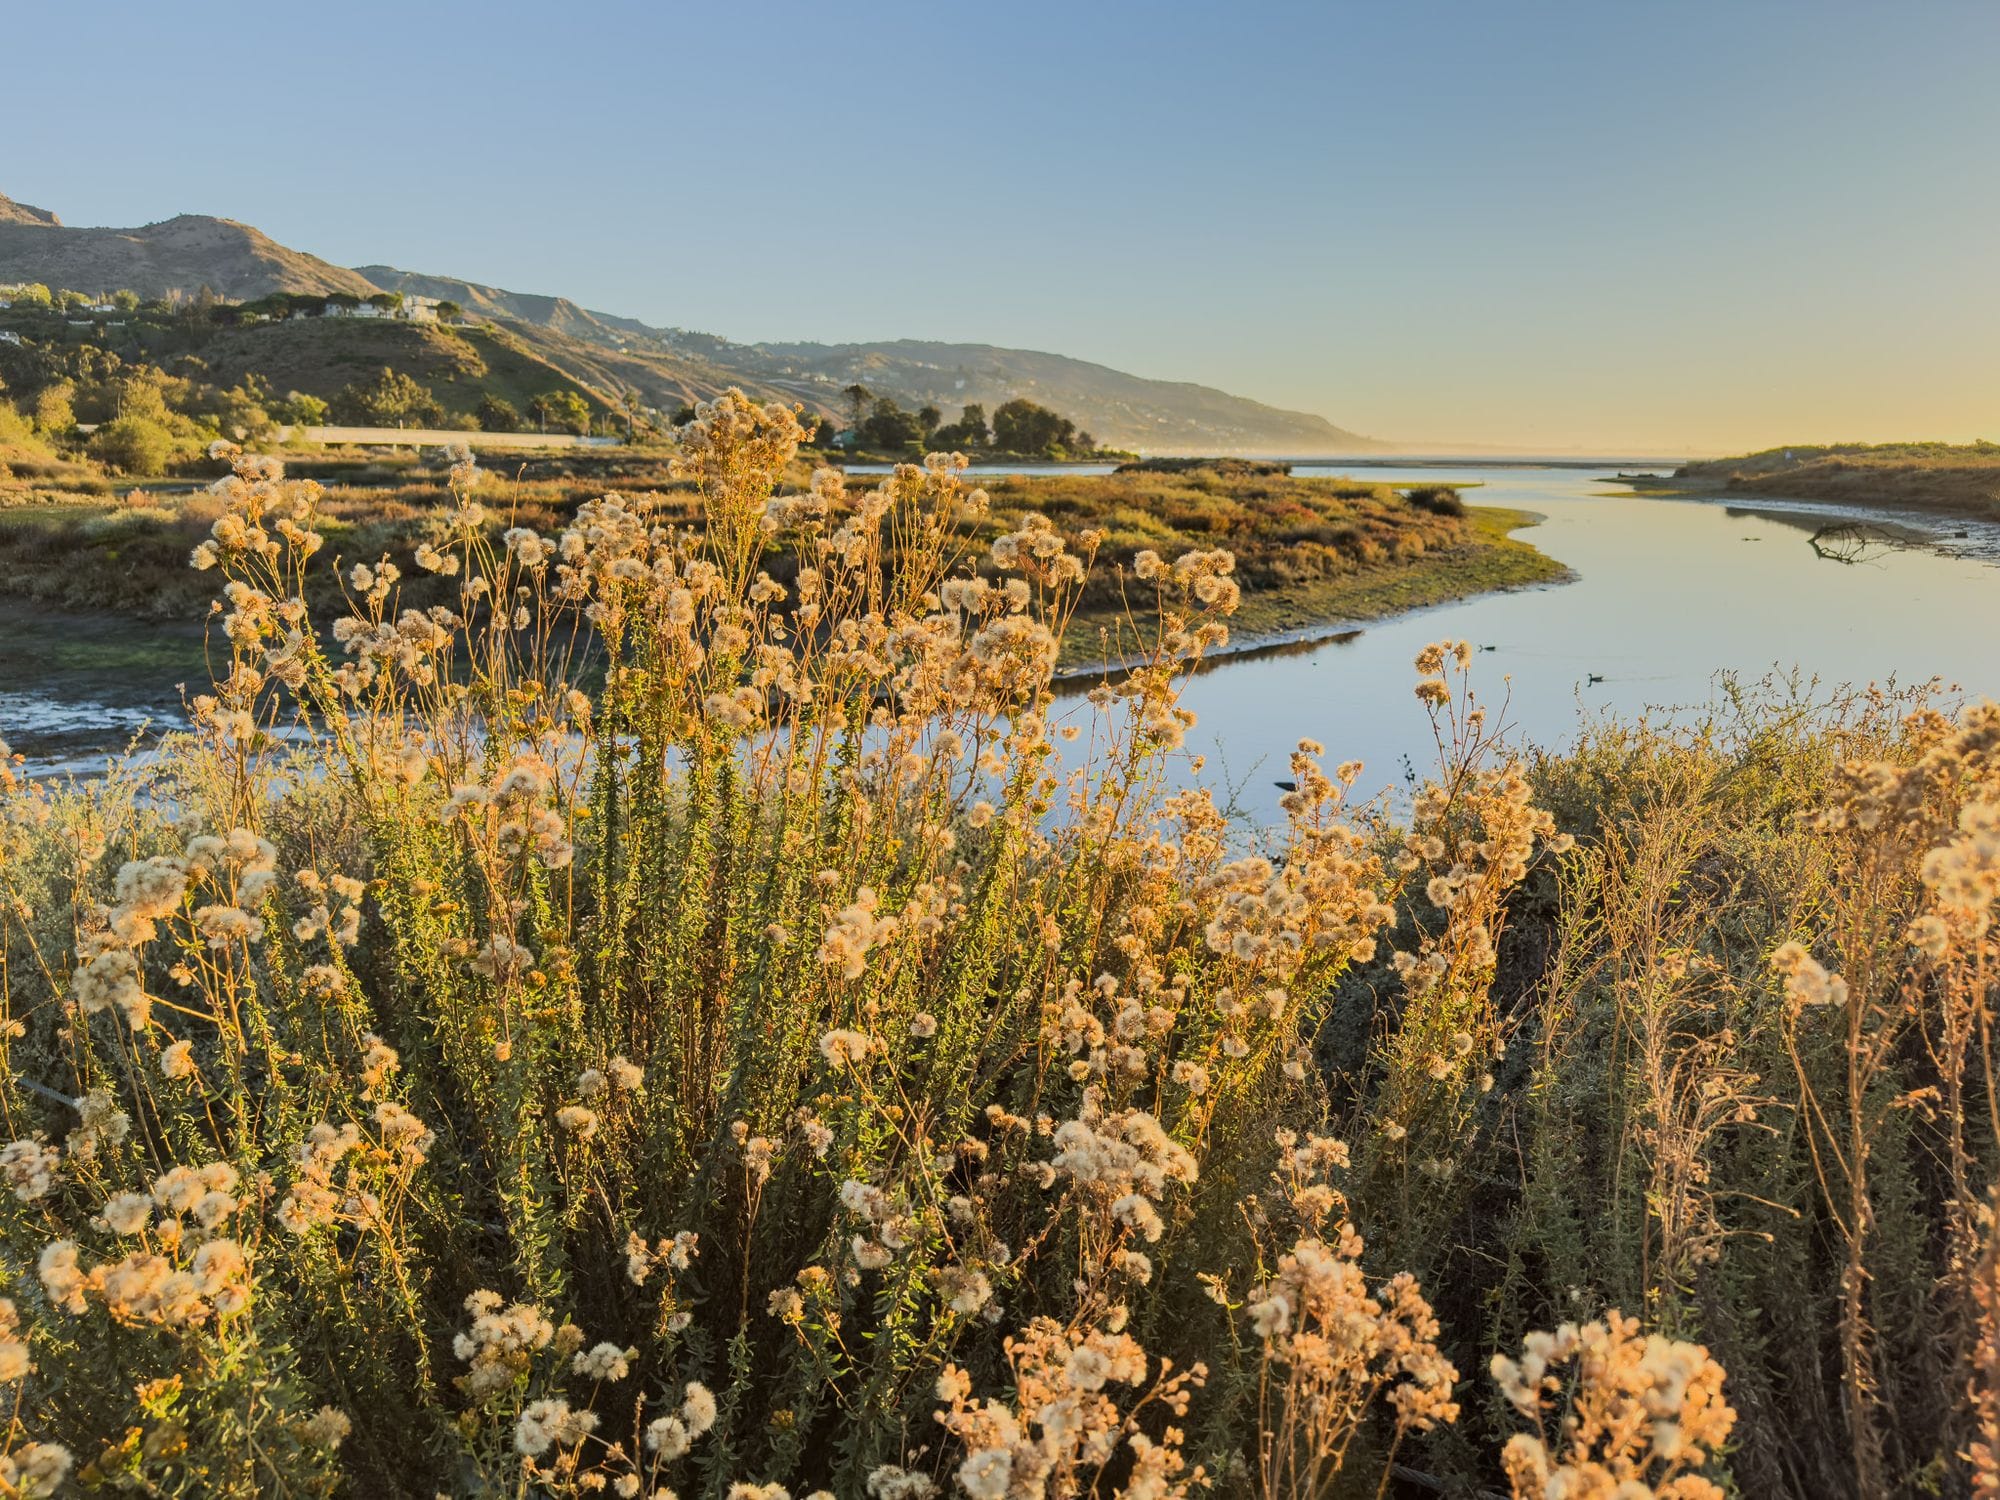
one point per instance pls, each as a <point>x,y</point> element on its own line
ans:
<point>184,253</point>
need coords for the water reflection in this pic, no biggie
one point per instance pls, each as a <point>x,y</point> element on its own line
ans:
<point>1670,595</point>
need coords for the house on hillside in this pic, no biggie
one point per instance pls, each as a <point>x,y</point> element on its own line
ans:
<point>8,336</point>
<point>413,309</point>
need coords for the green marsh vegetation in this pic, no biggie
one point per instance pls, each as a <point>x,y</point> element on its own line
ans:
<point>1310,552</point>
<point>770,1072</point>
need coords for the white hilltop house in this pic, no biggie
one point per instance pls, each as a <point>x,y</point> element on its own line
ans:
<point>415,309</point>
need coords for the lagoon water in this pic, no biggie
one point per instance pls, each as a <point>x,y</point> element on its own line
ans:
<point>1668,595</point>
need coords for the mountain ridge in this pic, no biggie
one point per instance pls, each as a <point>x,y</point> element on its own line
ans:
<point>183,253</point>
<point>26,213</point>
<point>1126,409</point>
<point>621,358</point>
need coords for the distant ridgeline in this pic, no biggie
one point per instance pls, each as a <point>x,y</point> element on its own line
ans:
<point>143,385</point>
<point>514,346</point>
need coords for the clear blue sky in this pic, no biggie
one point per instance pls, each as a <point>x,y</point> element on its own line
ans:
<point>1669,226</point>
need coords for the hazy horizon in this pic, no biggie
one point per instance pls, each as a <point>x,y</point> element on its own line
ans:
<point>1557,228</point>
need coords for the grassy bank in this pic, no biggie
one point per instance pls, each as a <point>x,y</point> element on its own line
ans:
<point>1941,478</point>
<point>1309,552</point>
<point>766,1074</point>
<point>1486,558</point>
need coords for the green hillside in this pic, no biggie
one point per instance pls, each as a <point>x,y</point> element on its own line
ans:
<point>458,366</point>
<point>619,363</point>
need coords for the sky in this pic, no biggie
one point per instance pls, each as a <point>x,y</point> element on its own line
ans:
<point>1606,226</point>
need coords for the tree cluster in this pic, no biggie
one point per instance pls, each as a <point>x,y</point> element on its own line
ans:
<point>1020,426</point>
<point>390,399</point>
<point>139,419</point>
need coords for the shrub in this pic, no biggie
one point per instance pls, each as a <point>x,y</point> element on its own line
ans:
<point>649,1024</point>
<point>134,445</point>
<point>391,399</point>
<point>15,429</point>
<point>497,415</point>
<point>1438,499</point>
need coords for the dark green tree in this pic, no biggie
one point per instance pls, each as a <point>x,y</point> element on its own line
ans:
<point>1022,426</point>
<point>301,409</point>
<point>391,399</point>
<point>968,433</point>
<point>565,411</point>
<point>858,396</point>
<point>890,428</point>
<point>497,415</point>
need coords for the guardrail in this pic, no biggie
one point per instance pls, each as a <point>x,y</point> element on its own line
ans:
<point>438,437</point>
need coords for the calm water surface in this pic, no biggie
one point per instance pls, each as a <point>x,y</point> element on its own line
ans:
<point>1668,595</point>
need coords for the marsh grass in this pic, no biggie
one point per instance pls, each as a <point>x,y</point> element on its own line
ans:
<point>660,1022</point>
<point>1953,478</point>
<point>1310,552</point>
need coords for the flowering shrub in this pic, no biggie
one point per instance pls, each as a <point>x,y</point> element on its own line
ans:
<point>1644,1414</point>
<point>670,1022</point>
